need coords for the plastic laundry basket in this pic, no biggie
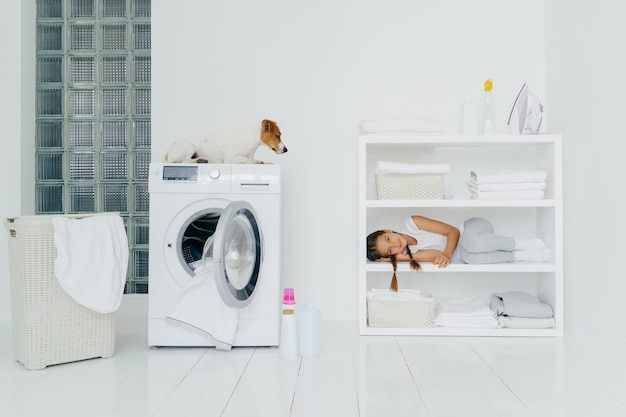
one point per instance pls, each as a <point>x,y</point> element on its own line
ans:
<point>49,327</point>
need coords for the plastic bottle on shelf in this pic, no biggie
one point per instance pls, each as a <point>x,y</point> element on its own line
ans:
<point>470,117</point>
<point>309,331</point>
<point>488,121</point>
<point>288,336</point>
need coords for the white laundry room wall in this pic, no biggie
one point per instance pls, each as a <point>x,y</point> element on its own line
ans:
<point>319,68</point>
<point>18,124</point>
<point>586,84</point>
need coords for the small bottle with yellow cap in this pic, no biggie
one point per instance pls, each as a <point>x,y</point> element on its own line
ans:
<point>488,122</point>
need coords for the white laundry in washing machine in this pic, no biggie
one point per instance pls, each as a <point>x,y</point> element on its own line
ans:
<point>238,206</point>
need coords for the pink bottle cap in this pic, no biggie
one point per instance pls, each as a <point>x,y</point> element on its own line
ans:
<point>288,297</point>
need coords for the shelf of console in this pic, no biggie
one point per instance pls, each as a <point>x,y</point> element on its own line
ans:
<point>449,331</point>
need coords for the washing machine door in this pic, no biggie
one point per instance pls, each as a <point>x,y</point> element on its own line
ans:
<point>237,254</point>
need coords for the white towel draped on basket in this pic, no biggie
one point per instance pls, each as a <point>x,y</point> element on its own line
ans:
<point>92,260</point>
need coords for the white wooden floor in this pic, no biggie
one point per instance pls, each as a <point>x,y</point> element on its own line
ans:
<point>582,374</point>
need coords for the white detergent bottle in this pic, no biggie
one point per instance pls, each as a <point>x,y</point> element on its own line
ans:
<point>309,331</point>
<point>470,118</point>
<point>288,337</point>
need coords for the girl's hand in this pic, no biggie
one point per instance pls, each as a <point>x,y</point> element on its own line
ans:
<point>441,260</point>
<point>437,257</point>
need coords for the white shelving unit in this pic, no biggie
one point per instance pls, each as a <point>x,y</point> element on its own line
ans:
<point>518,218</point>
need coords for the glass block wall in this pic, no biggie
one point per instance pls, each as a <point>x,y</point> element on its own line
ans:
<point>93,115</point>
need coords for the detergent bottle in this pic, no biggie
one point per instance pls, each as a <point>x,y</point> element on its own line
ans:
<point>309,331</point>
<point>288,337</point>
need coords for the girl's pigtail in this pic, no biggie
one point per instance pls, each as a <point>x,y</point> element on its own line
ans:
<point>415,265</point>
<point>394,281</point>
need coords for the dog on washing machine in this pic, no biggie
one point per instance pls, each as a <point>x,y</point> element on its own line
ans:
<point>237,147</point>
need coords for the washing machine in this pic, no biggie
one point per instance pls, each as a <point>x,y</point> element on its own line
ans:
<point>237,208</point>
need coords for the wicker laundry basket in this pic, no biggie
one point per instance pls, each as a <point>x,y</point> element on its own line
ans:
<point>49,327</point>
<point>410,186</point>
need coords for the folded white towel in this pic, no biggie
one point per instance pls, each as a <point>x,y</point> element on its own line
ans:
<point>488,323</point>
<point>376,294</point>
<point>471,306</point>
<point>92,260</point>
<point>506,186</point>
<point>200,306</point>
<point>399,125</point>
<point>384,167</point>
<point>508,195</point>
<point>505,176</point>
<point>526,322</point>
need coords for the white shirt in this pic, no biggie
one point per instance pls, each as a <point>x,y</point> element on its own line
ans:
<point>429,240</point>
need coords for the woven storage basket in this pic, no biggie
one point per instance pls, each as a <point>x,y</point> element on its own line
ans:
<point>410,186</point>
<point>49,327</point>
<point>400,313</point>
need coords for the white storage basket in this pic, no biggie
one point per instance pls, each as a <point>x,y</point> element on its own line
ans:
<point>400,313</point>
<point>49,327</point>
<point>410,186</point>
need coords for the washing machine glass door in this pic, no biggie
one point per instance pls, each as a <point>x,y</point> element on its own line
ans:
<point>237,254</point>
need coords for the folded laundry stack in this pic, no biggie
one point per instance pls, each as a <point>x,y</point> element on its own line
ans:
<point>520,310</point>
<point>469,312</point>
<point>507,185</point>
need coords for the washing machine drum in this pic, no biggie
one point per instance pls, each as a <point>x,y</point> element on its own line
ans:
<point>237,254</point>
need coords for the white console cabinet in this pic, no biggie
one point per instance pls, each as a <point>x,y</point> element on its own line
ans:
<point>517,218</point>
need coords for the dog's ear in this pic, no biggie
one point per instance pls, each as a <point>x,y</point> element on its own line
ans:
<point>268,125</point>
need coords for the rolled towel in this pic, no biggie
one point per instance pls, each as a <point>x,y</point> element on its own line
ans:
<point>498,177</point>
<point>383,167</point>
<point>399,125</point>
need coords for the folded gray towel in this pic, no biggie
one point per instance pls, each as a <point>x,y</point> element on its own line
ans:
<point>519,304</point>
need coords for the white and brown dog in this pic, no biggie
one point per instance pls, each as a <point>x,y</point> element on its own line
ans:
<point>237,147</point>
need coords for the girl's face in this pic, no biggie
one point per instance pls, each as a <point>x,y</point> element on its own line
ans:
<point>390,243</point>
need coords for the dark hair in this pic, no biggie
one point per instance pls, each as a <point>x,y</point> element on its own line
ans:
<point>374,255</point>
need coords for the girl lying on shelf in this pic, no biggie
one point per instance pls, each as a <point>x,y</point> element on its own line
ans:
<point>428,240</point>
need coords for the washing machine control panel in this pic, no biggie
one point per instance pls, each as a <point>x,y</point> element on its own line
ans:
<point>180,173</point>
<point>203,178</point>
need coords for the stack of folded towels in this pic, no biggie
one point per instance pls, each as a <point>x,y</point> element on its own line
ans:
<point>520,310</point>
<point>465,312</point>
<point>504,185</point>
